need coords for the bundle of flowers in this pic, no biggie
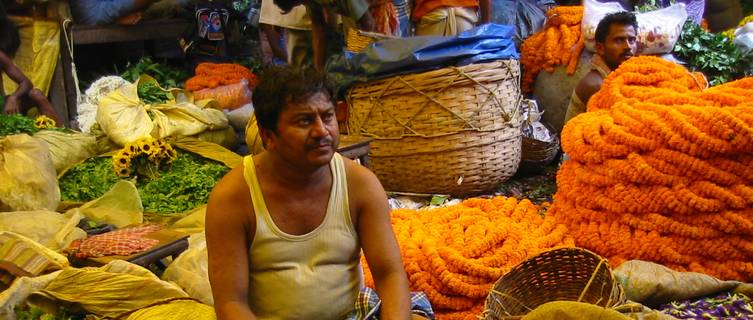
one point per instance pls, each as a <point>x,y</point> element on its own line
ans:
<point>661,170</point>
<point>455,254</point>
<point>211,75</point>
<point>559,43</point>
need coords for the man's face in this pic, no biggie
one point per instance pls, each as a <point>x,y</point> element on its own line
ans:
<point>619,46</point>
<point>307,132</point>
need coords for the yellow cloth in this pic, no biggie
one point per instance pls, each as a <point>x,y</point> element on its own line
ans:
<point>447,21</point>
<point>37,55</point>
<point>311,276</point>
<point>571,310</point>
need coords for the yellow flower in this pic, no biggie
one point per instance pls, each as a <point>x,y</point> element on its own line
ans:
<point>123,172</point>
<point>44,122</point>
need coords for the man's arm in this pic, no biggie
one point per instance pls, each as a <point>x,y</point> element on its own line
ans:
<point>12,104</point>
<point>485,11</point>
<point>588,86</point>
<point>228,242</point>
<point>378,242</point>
<point>318,37</point>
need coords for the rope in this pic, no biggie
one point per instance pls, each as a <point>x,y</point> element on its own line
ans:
<point>69,45</point>
<point>590,281</point>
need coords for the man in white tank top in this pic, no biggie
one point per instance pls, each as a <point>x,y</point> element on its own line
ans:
<point>285,229</point>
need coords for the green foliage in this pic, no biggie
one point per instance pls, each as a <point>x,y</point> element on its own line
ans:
<point>167,76</point>
<point>713,54</point>
<point>34,313</point>
<point>184,186</point>
<point>15,123</point>
<point>151,93</point>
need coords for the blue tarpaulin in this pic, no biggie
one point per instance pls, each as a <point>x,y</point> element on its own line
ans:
<point>416,54</point>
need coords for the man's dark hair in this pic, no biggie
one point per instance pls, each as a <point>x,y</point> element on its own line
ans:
<point>279,85</point>
<point>624,18</point>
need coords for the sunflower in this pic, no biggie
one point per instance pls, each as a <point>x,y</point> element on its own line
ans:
<point>123,172</point>
<point>44,122</point>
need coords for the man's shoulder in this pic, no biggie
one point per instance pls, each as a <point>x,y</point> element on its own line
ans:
<point>232,186</point>
<point>589,85</point>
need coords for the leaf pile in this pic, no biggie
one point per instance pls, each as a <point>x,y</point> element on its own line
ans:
<point>184,186</point>
<point>713,54</point>
<point>151,93</point>
<point>167,76</point>
<point>15,124</point>
<point>34,313</point>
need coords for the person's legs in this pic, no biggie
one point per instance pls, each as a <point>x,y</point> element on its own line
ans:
<point>447,21</point>
<point>299,47</point>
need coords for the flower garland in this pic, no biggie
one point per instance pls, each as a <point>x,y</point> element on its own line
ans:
<point>211,75</point>
<point>145,156</point>
<point>559,43</point>
<point>455,254</point>
<point>661,169</point>
<point>44,122</point>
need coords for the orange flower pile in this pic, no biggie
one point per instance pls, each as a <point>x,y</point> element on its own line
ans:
<point>212,75</point>
<point>559,43</point>
<point>455,254</point>
<point>661,170</point>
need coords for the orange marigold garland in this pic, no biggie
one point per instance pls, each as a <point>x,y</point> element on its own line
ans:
<point>211,75</point>
<point>559,43</point>
<point>661,169</point>
<point>455,254</point>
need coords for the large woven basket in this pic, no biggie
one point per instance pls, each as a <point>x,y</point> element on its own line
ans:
<point>565,274</point>
<point>455,130</point>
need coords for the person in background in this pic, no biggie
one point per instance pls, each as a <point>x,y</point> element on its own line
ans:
<point>285,229</point>
<point>449,17</point>
<point>288,35</point>
<point>94,12</point>
<point>723,14</point>
<point>368,15</point>
<point>615,43</point>
<point>26,96</point>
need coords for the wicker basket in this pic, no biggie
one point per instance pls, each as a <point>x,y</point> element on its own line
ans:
<point>455,130</point>
<point>358,40</point>
<point>538,154</point>
<point>565,274</point>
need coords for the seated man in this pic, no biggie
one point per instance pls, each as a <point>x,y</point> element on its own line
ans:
<point>26,96</point>
<point>615,42</point>
<point>285,230</point>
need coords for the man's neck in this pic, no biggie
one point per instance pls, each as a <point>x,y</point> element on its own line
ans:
<point>289,174</point>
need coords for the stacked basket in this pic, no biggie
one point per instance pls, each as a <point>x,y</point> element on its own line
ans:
<point>455,130</point>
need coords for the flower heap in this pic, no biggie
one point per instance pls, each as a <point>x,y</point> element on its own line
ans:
<point>559,43</point>
<point>662,170</point>
<point>455,254</point>
<point>145,155</point>
<point>211,75</point>
<point>44,122</point>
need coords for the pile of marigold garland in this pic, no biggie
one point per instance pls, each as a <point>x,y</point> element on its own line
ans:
<point>559,43</point>
<point>661,170</point>
<point>455,254</point>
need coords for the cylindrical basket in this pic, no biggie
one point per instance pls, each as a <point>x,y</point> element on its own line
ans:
<point>454,130</point>
<point>565,274</point>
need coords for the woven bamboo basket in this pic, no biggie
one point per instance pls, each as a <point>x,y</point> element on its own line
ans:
<point>565,274</point>
<point>538,154</point>
<point>455,130</point>
<point>357,40</point>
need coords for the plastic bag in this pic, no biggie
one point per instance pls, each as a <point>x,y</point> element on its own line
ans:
<point>208,150</point>
<point>87,109</point>
<point>68,148</point>
<point>527,17</point>
<point>175,310</point>
<point>28,255</point>
<point>111,291</point>
<point>51,229</point>
<point>231,96</point>
<point>657,30</point>
<point>27,173</point>
<point>239,117</point>
<point>120,206</point>
<point>572,310</point>
<point>124,118</point>
<point>653,284</point>
<point>20,290</point>
<point>190,270</point>
<point>224,137</point>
